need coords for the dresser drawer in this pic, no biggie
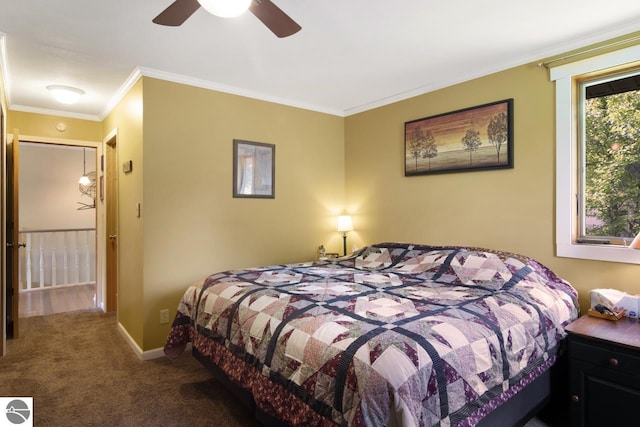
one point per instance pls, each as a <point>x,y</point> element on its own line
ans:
<point>605,356</point>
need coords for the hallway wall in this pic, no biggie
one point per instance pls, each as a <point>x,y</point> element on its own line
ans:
<point>49,192</point>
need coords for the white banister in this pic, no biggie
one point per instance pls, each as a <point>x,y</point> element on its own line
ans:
<point>54,267</point>
<point>76,258</point>
<point>52,250</point>
<point>65,258</point>
<point>87,258</point>
<point>41,261</point>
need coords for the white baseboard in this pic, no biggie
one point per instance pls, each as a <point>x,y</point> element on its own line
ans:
<point>155,353</point>
<point>132,343</point>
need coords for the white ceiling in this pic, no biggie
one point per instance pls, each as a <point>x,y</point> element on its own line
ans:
<point>350,56</point>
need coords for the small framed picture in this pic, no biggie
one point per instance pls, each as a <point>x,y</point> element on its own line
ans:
<point>253,169</point>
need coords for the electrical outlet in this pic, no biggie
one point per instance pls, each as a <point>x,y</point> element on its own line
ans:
<point>164,316</point>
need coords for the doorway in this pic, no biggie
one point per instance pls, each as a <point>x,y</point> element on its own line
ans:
<point>98,247</point>
<point>57,217</point>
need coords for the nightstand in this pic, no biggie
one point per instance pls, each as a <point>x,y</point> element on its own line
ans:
<point>604,370</point>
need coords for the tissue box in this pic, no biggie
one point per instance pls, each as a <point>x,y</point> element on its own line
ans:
<point>617,301</point>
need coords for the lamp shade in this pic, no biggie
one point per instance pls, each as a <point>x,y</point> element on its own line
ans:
<point>344,223</point>
<point>635,244</point>
<point>225,8</point>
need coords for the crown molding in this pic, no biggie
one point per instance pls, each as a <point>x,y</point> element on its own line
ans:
<point>121,92</point>
<point>139,72</point>
<point>219,87</point>
<point>578,43</point>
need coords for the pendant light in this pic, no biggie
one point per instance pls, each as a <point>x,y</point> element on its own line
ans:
<point>84,179</point>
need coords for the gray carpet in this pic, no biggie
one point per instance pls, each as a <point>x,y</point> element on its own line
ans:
<point>80,371</point>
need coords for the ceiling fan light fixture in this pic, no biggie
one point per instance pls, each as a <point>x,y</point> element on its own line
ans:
<point>65,94</point>
<point>225,8</point>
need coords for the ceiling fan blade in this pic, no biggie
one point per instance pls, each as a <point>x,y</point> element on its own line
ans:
<point>177,12</point>
<point>274,18</point>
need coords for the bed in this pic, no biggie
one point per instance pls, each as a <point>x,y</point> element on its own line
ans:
<point>393,335</point>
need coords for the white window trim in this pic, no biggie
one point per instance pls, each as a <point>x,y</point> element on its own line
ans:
<point>566,161</point>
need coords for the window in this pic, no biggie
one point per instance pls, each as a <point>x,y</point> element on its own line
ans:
<point>609,143</point>
<point>598,156</point>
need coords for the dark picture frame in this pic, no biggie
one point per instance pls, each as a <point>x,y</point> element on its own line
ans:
<point>253,169</point>
<point>471,139</point>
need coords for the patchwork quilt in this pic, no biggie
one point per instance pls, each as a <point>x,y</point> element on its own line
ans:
<point>395,334</point>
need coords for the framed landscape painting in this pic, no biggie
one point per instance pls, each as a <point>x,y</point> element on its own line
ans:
<point>475,138</point>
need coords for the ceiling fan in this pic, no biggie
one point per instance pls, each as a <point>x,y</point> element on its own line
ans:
<point>271,15</point>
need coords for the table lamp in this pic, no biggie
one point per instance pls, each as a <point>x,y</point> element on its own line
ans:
<point>344,225</point>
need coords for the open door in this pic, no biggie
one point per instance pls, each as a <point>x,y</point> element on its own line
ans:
<point>3,241</point>
<point>12,296</point>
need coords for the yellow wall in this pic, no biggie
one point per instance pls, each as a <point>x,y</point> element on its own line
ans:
<point>179,139</point>
<point>44,126</point>
<point>512,210</point>
<point>193,226</point>
<point>126,118</point>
